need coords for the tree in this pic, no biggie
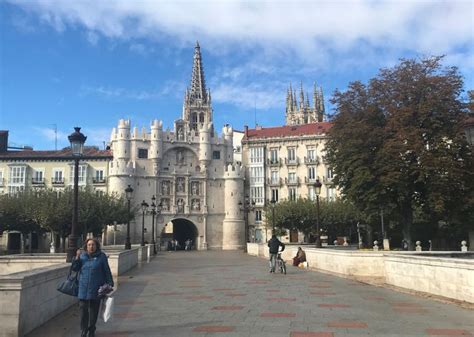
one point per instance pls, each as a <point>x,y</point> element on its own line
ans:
<point>398,143</point>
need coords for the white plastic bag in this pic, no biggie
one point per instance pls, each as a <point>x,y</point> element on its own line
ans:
<point>107,309</point>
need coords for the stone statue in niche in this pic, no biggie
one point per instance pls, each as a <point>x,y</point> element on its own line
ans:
<point>165,204</point>
<point>195,188</point>
<point>180,204</point>
<point>165,187</point>
<point>196,205</point>
<point>180,157</point>
<point>180,185</point>
<point>180,133</point>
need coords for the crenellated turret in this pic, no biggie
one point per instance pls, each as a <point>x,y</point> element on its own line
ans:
<point>121,145</point>
<point>205,151</point>
<point>233,231</point>
<point>228,134</point>
<point>156,140</point>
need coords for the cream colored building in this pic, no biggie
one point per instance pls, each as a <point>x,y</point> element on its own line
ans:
<point>33,170</point>
<point>285,162</point>
<point>190,169</point>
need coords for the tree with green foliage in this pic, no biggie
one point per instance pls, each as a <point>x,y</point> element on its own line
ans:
<point>398,144</point>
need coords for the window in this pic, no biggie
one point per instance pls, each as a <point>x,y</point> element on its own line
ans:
<point>38,177</point>
<point>292,194</point>
<point>331,194</point>
<point>17,174</point>
<point>58,176</point>
<point>99,175</point>
<point>274,156</point>
<point>291,154</point>
<point>311,154</point>
<point>82,174</point>
<point>142,153</point>
<point>256,193</point>
<point>274,194</point>
<point>15,189</point>
<point>256,175</point>
<point>216,155</point>
<point>292,177</point>
<point>329,173</point>
<point>256,155</point>
<point>258,216</point>
<point>311,173</point>
<point>274,176</point>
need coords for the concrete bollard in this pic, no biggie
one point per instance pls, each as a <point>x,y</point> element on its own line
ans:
<point>376,247</point>
<point>464,246</point>
<point>418,246</point>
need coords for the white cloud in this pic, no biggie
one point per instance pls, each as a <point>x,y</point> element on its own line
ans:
<point>249,96</point>
<point>307,28</point>
<point>121,93</point>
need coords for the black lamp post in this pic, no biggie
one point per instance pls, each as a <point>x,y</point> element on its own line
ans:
<point>247,207</point>
<point>144,208</point>
<point>317,190</point>
<point>128,195</point>
<point>273,202</point>
<point>155,209</point>
<point>77,140</point>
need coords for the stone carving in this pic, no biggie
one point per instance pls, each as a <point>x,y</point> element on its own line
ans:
<point>196,204</point>
<point>180,133</point>
<point>180,185</point>
<point>165,204</point>
<point>180,204</point>
<point>165,187</point>
<point>195,188</point>
<point>180,157</point>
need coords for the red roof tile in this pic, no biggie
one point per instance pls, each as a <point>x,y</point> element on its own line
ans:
<point>288,131</point>
<point>89,152</point>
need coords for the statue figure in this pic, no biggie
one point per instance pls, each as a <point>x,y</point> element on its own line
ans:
<point>180,185</point>
<point>180,204</point>
<point>195,188</point>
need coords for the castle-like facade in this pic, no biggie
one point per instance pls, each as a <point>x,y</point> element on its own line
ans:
<point>190,170</point>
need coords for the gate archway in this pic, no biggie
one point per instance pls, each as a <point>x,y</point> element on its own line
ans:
<point>181,230</point>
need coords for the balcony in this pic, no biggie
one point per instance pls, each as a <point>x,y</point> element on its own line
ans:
<point>311,161</point>
<point>37,182</point>
<point>57,182</point>
<point>292,162</point>
<point>274,182</point>
<point>274,162</point>
<point>328,180</point>
<point>98,181</point>
<point>310,181</point>
<point>295,181</point>
<point>1,182</point>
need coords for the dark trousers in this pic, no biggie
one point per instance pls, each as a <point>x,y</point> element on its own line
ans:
<point>89,314</point>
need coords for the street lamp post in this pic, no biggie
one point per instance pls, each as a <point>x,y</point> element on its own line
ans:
<point>77,140</point>
<point>273,202</point>
<point>317,188</point>
<point>144,208</point>
<point>128,195</point>
<point>155,209</point>
<point>247,207</point>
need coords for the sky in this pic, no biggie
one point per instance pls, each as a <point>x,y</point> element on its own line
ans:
<point>89,63</point>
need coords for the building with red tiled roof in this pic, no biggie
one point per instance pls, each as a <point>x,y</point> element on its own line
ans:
<point>284,162</point>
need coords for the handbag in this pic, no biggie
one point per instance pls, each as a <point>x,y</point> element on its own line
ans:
<point>70,286</point>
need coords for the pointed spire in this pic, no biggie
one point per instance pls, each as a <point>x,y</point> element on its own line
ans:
<point>307,100</point>
<point>198,84</point>
<point>301,97</point>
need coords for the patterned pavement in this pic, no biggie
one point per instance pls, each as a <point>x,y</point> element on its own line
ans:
<point>231,294</point>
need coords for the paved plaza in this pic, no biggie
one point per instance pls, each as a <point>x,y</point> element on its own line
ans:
<point>215,293</point>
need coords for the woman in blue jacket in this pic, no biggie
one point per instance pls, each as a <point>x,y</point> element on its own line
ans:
<point>94,272</point>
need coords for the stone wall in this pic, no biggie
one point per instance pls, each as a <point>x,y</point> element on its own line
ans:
<point>29,299</point>
<point>446,274</point>
<point>10,264</point>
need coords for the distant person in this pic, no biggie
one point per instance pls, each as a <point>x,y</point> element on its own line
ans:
<point>187,244</point>
<point>274,245</point>
<point>299,258</point>
<point>404,244</point>
<point>95,272</point>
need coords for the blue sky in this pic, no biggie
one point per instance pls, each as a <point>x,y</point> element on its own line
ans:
<point>89,63</point>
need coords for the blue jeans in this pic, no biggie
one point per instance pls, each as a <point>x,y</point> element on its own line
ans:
<point>273,258</point>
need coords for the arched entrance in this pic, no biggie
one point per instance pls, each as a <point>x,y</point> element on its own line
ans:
<point>180,230</point>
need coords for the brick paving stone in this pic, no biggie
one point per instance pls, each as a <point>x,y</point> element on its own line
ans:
<point>312,334</point>
<point>333,305</point>
<point>155,305</point>
<point>348,325</point>
<point>213,328</point>
<point>448,332</point>
<point>228,307</point>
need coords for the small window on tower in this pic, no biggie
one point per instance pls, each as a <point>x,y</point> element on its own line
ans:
<point>216,155</point>
<point>143,153</point>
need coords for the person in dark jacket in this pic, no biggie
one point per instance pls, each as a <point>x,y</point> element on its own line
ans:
<point>94,272</point>
<point>274,246</point>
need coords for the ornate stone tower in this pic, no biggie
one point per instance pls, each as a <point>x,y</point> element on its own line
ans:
<point>233,230</point>
<point>301,112</point>
<point>197,109</point>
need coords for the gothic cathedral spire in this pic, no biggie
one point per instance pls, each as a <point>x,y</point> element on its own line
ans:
<point>197,109</point>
